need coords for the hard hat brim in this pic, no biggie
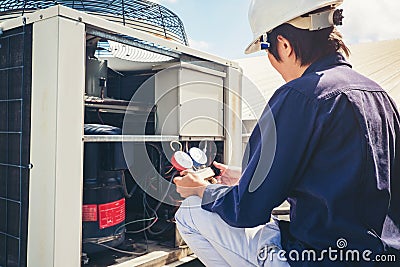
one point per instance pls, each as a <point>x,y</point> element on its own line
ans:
<point>253,47</point>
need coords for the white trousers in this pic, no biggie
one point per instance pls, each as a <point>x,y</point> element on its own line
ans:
<point>217,244</point>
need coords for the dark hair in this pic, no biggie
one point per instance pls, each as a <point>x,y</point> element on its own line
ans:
<point>308,46</point>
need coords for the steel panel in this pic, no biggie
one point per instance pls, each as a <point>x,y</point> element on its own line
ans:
<point>54,234</point>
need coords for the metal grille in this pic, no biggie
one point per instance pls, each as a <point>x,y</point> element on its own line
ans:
<point>139,14</point>
<point>15,95</point>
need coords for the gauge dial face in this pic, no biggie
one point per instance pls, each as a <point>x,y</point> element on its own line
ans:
<point>198,156</point>
<point>181,161</point>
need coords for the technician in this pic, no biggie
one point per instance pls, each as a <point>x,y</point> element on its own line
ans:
<point>336,160</point>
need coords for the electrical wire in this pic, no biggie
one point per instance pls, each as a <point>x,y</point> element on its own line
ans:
<point>170,170</point>
<point>144,229</point>
<point>160,155</point>
<point>120,250</point>
<point>146,206</point>
<point>154,212</point>
<point>168,227</point>
<point>125,188</point>
<point>132,222</point>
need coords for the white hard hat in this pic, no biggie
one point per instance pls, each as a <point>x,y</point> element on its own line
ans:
<point>266,15</point>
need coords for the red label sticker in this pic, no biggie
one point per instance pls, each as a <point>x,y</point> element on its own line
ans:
<point>89,213</point>
<point>111,214</point>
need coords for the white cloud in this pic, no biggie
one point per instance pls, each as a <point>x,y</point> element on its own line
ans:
<point>371,20</point>
<point>199,45</point>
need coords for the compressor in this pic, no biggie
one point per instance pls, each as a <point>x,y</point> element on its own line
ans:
<point>103,210</point>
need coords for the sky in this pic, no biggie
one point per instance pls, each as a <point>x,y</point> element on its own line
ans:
<point>221,27</point>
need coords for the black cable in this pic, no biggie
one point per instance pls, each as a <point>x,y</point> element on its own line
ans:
<point>154,211</point>
<point>160,154</point>
<point>146,204</point>
<point>125,188</point>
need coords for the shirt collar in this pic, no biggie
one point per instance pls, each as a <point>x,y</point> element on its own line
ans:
<point>327,62</point>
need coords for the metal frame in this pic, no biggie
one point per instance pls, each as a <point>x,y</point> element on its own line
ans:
<point>55,212</point>
<point>233,117</point>
<point>129,138</point>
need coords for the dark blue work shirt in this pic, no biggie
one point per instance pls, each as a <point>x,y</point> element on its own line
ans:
<point>336,159</point>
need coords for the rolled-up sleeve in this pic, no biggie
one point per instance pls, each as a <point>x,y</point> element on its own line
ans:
<point>279,149</point>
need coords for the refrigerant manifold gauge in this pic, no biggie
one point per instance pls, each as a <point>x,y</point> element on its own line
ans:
<point>195,161</point>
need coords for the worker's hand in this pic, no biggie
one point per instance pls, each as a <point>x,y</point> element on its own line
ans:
<point>229,175</point>
<point>190,184</point>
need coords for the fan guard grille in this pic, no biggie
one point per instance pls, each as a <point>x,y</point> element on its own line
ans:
<point>138,14</point>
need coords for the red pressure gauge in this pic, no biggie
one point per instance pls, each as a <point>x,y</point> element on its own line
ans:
<point>181,161</point>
